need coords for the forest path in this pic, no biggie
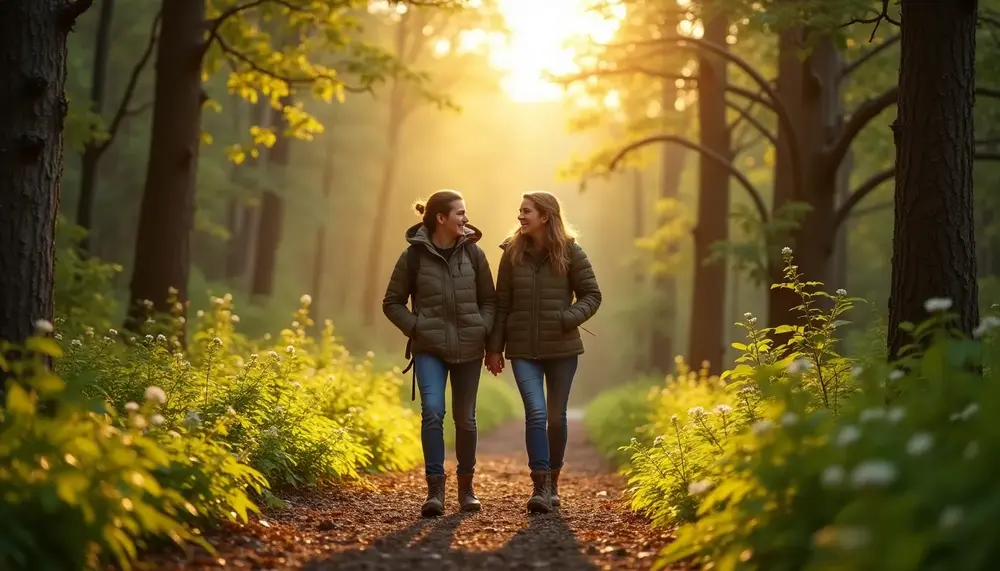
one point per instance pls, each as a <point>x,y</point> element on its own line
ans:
<point>382,529</point>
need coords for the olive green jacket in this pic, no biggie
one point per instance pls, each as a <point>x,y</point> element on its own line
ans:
<point>539,312</point>
<point>455,306</point>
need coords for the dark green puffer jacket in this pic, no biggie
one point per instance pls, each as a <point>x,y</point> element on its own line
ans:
<point>539,312</point>
<point>455,307</point>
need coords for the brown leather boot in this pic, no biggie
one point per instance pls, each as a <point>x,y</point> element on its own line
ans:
<point>434,506</point>
<point>541,496</point>
<point>466,495</point>
<point>555,488</point>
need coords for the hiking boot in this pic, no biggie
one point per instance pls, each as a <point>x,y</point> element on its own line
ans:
<point>555,488</point>
<point>434,506</point>
<point>541,496</point>
<point>466,495</point>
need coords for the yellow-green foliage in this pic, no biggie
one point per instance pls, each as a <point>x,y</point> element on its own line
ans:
<point>139,438</point>
<point>616,415</point>
<point>809,460</point>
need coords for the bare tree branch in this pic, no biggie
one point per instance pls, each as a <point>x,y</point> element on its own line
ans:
<point>988,92</point>
<point>864,58</point>
<point>784,119</point>
<point>863,190</point>
<point>133,81</point>
<point>723,162</point>
<point>290,80</point>
<point>215,23</point>
<point>629,69</point>
<point>746,115</point>
<point>876,180</point>
<point>71,12</point>
<point>837,150</point>
<point>877,19</point>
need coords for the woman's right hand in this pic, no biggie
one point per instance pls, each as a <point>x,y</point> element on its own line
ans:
<point>494,363</point>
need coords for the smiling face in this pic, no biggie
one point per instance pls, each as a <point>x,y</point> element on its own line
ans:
<point>532,220</point>
<point>452,225</point>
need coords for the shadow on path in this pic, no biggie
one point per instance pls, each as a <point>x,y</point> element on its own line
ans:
<point>544,542</point>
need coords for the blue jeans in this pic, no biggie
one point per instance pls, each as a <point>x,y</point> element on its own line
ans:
<point>545,419</point>
<point>432,376</point>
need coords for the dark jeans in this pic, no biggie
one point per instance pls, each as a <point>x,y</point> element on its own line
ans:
<point>432,376</point>
<point>545,418</point>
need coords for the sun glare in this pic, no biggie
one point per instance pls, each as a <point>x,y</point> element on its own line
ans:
<point>540,33</point>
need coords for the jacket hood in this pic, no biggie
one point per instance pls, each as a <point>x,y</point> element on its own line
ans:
<point>418,234</point>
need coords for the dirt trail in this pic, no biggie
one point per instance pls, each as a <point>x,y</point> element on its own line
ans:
<point>381,528</point>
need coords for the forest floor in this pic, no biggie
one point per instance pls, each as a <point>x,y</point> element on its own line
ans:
<point>381,527</point>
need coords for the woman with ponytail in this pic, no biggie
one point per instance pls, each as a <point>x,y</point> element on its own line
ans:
<point>448,279</point>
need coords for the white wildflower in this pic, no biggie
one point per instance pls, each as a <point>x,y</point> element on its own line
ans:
<point>139,421</point>
<point>272,354</point>
<point>234,318</point>
<point>156,395</point>
<point>857,371</point>
<point>723,409</point>
<point>870,414</point>
<point>217,342</point>
<point>789,419</point>
<point>747,315</point>
<point>296,385</point>
<point>290,350</point>
<point>57,337</point>
<point>700,487</point>
<point>161,338</point>
<point>696,411</point>
<point>658,441</point>
<point>674,420</point>
<point>895,414</point>
<point>848,435</point>
<point>833,476</point>
<point>131,406</point>
<point>200,313</point>
<point>799,366</point>
<point>43,326</point>
<point>113,332</point>
<point>965,414</point>
<point>951,516</point>
<point>842,292</point>
<point>920,443</point>
<point>271,431</point>
<point>786,251</point>
<point>76,343</point>
<point>895,375</point>
<point>873,473</point>
<point>306,299</point>
<point>192,418</point>
<point>987,324</point>
<point>149,339</point>
<point>370,355</point>
<point>157,419</point>
<point>936,304</point>
<point>762,426</point>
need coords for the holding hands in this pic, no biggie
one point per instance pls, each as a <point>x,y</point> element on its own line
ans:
<point>494,363</point>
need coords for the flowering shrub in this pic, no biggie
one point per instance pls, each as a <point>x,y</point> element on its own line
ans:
<point>800,458</point>
<point>130,440</point>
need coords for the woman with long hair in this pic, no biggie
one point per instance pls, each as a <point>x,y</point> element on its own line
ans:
<point>546,289</point>
<point>453,302</point>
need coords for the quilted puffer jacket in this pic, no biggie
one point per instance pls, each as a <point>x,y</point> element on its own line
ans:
<point>539,312</point>
<point>455,305</point>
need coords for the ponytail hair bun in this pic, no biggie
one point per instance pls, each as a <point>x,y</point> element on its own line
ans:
<point>420,207</point>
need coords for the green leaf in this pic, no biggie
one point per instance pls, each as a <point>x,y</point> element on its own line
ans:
<point>44,346</point>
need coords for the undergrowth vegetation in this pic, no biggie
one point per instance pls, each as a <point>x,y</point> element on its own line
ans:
<point>114,443</point>
<point>801,458</point>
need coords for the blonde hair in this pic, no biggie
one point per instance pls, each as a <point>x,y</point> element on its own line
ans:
<point>558,236</point>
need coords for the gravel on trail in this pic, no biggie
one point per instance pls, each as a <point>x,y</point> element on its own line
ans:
<point>381,528</point>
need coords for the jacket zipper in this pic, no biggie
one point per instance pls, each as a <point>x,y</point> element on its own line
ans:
<point>450,311</point>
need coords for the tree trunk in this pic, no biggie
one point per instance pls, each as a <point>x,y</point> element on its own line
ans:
<point>707,344</point>
<point>397,116</point>
<point>933,253</point>
<point>272,212</point>
<point>641,330</point>
<point>166,216</point>
<point>791,74</point>
<point>319,261</point>
<point>242,218</point>
<point>664,314</point>
<point>32,111</point>
<point>92,152</point>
